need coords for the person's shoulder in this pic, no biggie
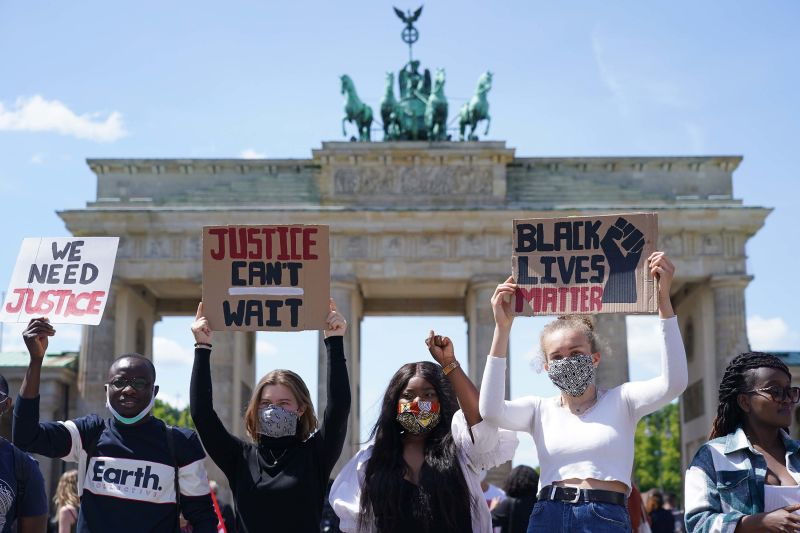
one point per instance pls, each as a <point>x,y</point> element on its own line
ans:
<point>90,422</point>
<point>188,447</point>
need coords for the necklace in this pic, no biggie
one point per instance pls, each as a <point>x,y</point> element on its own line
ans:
<point>275,459</point>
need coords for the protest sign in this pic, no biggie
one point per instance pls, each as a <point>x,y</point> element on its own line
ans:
<point>586,264</point>
<point>65,279</point>
<point>266,277</point>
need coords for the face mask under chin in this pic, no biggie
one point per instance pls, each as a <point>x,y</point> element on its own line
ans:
<point>573,374</point>
<point>128,420</point>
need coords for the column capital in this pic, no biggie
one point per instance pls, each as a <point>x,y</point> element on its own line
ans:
<point>485,281</point>
<point>345,283</point>
<point>724,281</point>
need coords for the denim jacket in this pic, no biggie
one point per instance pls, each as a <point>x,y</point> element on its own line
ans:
<point>725,482</point>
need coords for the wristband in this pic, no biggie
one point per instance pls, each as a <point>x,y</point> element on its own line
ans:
<point>202,345</point>
<point>449,368</point>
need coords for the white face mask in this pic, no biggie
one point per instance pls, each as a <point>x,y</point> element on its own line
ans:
<point>132,419</point>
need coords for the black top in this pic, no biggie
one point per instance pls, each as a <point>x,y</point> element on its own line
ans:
<point>512,514</point>
<point>129,481</point>
<point>663,521</point>
<point>414,519</point>
<point>289,495</point>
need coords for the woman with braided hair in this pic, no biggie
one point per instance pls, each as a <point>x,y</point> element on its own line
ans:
<point>746,477</point>
<point>584,436</point>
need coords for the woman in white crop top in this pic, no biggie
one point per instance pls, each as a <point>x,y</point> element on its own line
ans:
<point>584,436</point>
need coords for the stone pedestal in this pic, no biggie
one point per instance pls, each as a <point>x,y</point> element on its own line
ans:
<point>349,303</point>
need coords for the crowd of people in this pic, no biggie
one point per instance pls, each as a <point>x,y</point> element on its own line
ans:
<point>423,468</point>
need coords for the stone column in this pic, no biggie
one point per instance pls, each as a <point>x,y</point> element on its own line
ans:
<point>233,376</point>
<point>730,326</point>
<point>349,302</point>
<point>480,331</point>
<point>480,328</point>
<point>613,334</point>
<point>98,350</point>
<point>135,317</point>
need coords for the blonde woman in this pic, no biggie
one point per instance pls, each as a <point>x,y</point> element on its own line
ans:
<point>67,501</point>
<point>278,478</point>
<point>584,436</point>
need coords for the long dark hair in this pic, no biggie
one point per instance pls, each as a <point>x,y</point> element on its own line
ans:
<point>734,382</point>
<point>521,482</point>
<point>444,490</point>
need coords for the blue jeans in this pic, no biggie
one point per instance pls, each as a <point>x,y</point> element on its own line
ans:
<point>550,516</point>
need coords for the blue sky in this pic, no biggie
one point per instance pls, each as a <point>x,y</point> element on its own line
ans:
<point>210,79</point>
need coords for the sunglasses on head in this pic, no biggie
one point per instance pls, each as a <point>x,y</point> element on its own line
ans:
<point>778,394</point>
<point>139,384</point>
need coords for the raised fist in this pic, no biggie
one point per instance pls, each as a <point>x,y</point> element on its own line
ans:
<point>622,245</point>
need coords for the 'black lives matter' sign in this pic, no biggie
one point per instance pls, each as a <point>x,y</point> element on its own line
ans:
<point>586,265</point>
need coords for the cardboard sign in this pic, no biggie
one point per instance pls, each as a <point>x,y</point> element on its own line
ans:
<point>266,277</point>
<point>584,265</point>
<point>65,279</point>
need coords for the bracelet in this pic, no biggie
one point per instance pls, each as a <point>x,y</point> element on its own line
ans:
<point>449,368</point>
<point>202,344</point>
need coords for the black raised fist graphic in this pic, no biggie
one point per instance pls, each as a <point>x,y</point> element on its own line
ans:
<point>623,245</point>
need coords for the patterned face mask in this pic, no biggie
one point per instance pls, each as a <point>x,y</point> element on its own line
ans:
<point>418,417</point>
<point>275,421</point>
<point>573,375</point>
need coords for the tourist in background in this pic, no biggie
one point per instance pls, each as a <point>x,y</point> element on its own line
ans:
<point>278,478</point>
<point>661,520</point>
<point>491,493</point>
<point>745,478</point>
<point>584,436</point>
<point>512,514</point>
<point>67,502</point>
<point>419,472</point>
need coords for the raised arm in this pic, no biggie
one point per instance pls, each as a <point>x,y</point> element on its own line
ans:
<point>442,350</point>
<point>337,409</point>
<point>645,397</point>
<point>51,439</point>
<point>515,415</point>
<point>222,447</point>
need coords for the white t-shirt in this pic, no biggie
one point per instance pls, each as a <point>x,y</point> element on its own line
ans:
<point>597,444</point>
<point>493,492</point>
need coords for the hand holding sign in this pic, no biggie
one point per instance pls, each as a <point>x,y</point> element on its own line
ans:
<point>200,328</point>
<point>441,348</point>
<point>662,269</point>
<point>501,303</point>
<point>336,323</point>
<point>36,337</point>
<point>622,245</point>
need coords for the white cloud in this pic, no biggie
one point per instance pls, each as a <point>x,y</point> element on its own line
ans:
<point>249,153</point>
<point>37,158</point>
<point>644,352</point>
<point>771,334</point>
<point>34,113</point>
<point>168,352</point>
<point>175,400</point>
<point>66,339</point>
<point>266,348</point>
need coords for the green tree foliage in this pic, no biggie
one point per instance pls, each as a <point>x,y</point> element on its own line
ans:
<point>657,448</point>
<point>172,415</point>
